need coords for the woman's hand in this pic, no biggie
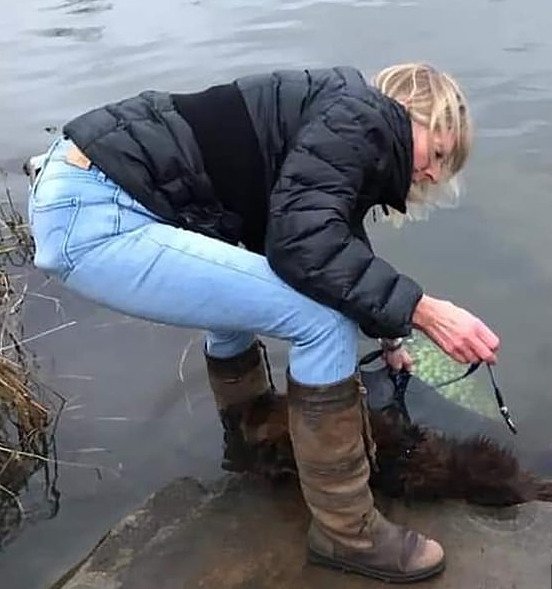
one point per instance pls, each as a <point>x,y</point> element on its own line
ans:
<point>461,335</point>
<point>399,359</point>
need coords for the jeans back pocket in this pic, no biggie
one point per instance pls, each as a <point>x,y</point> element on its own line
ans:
<point>51,227</point>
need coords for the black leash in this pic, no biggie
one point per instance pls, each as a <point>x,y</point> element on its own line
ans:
<point>498,395</point>
<point>267,365</point>
<point>401,378</point>
<point>400,381</point>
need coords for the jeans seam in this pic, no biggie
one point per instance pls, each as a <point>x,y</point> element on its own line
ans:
<point>64,246</point>
<point>347,325</point>
<point>338,321</point>
<point>47,159</point>
<point>59,204</point>
<point>117,223</point>
<point>241,271</point>
<point>340,339</point>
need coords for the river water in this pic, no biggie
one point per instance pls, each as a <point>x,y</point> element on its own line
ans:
<point>128,410</point>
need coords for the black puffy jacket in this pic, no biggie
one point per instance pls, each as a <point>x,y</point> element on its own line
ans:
<point>327,147</point>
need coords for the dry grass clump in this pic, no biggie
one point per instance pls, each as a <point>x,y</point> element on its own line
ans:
<point>24,414</point>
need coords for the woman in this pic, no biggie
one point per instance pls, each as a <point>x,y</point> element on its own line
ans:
<point>142,207</point>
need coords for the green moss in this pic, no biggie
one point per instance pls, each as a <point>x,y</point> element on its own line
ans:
<point>433,366</point>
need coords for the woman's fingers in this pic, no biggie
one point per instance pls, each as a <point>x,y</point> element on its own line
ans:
<point>483,352</point>
<point>399,360</point>
<point>457,332</point>
<point>489,338</point>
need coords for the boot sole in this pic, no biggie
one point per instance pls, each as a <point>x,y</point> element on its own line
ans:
<point>350,567</point>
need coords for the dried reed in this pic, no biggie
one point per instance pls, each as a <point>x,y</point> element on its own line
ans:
<point>25,411</point>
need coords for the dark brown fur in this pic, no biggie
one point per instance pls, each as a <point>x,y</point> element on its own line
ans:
<point>420,464</point>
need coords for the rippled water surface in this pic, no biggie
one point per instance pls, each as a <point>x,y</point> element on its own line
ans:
<point>128,409</point>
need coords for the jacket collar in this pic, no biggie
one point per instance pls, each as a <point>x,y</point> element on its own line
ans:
<point>396,189</point>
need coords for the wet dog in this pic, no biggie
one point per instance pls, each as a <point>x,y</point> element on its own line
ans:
<point>420,464</point>
<point>442,452</point>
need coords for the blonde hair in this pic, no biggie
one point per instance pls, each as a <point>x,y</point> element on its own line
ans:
<point>433,99</point>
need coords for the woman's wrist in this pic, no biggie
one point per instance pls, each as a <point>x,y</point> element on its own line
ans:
<point>423,312</point>
<point>391,345</point>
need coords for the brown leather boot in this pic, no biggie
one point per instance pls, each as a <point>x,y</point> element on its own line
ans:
<point>328,432</point>
<point>253,415</point>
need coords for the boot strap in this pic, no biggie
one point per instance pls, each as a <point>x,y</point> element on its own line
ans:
<point>369,443</point>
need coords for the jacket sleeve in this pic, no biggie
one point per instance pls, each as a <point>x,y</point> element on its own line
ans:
<point>310,243</point>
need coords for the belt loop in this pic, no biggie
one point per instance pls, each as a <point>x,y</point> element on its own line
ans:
<point>47,158</point>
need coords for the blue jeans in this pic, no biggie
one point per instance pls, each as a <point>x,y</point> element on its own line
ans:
<point>106,246</point>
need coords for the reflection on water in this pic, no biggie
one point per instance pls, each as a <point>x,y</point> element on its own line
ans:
<point>28,485</point>
<point>81,6</point>
<point>523,47</point>
<point>79,34</point>
<point>129,413</point>
<point>76,8</point>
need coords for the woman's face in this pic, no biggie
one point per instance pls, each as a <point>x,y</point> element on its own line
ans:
<point>431,150</point>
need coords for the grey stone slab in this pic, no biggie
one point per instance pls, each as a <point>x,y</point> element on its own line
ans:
<point>247,534</point>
